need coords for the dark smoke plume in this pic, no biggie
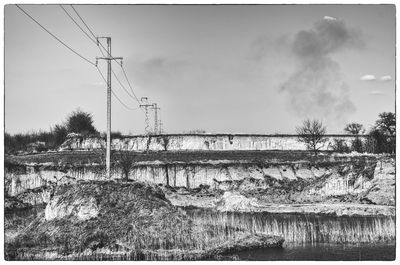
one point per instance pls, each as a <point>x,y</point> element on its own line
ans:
<point>316,88</point>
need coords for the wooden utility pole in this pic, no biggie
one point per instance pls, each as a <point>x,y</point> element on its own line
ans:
<point>109,58</point>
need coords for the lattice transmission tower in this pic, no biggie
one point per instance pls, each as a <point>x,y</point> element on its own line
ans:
<point>146,107</point>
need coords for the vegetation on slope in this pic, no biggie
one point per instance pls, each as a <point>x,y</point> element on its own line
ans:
<point>130,217</point>
<point>81,158</point>
<point>78,121</point>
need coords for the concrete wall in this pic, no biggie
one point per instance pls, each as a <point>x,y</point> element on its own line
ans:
<point>175,142</point>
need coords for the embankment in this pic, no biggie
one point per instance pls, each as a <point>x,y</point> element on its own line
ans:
<point>277,180</point>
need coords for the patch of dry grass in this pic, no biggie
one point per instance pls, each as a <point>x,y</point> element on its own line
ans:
<point>133,218</point>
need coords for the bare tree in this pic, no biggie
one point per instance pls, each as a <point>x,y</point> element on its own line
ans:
<point>165,142</point>
<point>126,161</point>
<point>312,133</point>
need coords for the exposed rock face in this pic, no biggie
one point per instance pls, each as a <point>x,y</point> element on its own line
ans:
<point>381,189</point>
<point>34,177</point>
<point>36,196</point>
<point>362,180</point>
<point>217,177</point>
<point>234,201</point>
<point>340,190</point>
<point>200,142</point>
<point>83,208</point>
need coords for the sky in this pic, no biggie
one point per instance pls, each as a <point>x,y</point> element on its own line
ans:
<point>217,68</point>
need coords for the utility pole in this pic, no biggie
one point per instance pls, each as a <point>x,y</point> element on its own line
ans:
<point>155,108</point>
<point>146,106</point>
<point>109,58</point>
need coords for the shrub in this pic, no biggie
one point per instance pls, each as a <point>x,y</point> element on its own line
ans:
<point>9,144</point>
<point>357,145</point>
<point>126,161</point>
<point>383,136</point>
<point>60,134</point>
<point>80,122</point>
<point>381,142</point>
<point>195,131</point>
<point>116,135</point>
<point>339,145</point>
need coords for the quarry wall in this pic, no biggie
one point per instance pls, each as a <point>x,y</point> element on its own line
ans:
<point>218,142</point>
<point>339,174</point>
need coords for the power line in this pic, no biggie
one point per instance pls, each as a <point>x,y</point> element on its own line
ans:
<point>116,77</point>
<point>94,36</point>
<point>76,23</point>
<point>135,97</point>
<point>54,36</point>
<point>129,83</point>
<point>99,43</point>
<point>82,57</point>
<point>77,52</point>
<point>119,81</point>
<point>115,95</point>
<point>123,69</point>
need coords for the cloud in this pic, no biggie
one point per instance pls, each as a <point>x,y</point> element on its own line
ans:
<point>159,71</point>
<point>330,18</point>
<point>316,87</point>
<point>376,92</point>
<point>386,78</point>
<point>367,78</point>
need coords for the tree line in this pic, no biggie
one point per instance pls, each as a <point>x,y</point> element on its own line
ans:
<point>77,121</point>
<point>380,139</point>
